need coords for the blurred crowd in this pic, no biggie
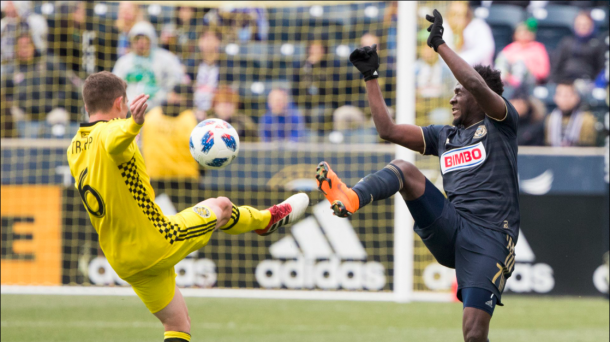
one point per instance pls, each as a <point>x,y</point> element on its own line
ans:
<point>283,74</point>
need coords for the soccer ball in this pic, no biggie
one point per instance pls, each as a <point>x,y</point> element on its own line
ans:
<point>214,143</point>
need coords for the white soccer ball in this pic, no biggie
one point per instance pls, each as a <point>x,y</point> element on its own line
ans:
<point>214,143</point>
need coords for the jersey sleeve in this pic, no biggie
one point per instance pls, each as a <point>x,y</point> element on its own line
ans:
<point>510,121</point>
<point>431,136</point>
<point>117,139</point>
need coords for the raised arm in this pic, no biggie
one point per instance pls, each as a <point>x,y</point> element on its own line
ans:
<point>409,136</point>
<point>366,61</point>
<point>491,103</point>
<point>118,140</point>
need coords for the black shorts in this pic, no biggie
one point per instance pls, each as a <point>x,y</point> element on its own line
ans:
<point>482,257</point>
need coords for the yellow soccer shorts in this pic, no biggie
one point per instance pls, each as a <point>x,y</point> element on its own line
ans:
<point>156,285</point>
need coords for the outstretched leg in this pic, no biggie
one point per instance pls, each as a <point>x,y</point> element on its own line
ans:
<point>397,176</point>
<point>157,286</point>
<point>436,226</point>
<point>235,220</point>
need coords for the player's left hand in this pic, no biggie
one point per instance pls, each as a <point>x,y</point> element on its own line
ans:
<point>436,30</point>
<point>138,108</point>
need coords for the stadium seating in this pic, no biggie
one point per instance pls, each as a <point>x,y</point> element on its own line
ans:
<point>554,23</point>
<point>502,19</point>
<point>600,16</point>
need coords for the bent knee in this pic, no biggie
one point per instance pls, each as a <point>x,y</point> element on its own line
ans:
<point>408,169</point>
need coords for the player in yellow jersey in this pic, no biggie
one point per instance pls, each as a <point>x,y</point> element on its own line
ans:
<point>141,243</point>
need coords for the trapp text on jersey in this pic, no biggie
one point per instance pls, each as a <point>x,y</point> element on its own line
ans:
<point>81,145</point>
<point>463,158</point>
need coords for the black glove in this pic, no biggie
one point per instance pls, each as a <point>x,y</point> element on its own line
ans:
<point>366,60</point>
<point>436,30</point>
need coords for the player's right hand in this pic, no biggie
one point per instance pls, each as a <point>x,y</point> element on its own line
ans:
<point>366,60</point>
<point>138,108</point>
<point>436,30</point>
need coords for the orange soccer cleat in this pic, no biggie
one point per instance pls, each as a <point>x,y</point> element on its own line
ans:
<point>344,201</point>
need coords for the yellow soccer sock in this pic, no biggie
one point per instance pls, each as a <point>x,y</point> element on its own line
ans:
<point>246,219</point>
<point>176,336</point>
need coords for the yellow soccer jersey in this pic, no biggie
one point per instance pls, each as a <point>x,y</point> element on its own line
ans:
<point>115,188</point>
<point>165,144</point>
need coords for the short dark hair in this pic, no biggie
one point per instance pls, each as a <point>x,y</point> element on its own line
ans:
<point>492,78</point>
<point>100,91</point>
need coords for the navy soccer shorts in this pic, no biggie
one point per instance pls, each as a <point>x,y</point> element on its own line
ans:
<point>483,258</point>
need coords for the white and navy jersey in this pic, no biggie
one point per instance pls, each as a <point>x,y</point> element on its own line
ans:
<point>479,167</point>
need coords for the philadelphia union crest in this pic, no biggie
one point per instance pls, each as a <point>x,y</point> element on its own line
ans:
<point>481,132</point>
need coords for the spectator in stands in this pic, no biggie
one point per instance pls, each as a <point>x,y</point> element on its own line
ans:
<point>524,60</point>
<point>350,126</point>
<point>147,68</point>
<point>239,24</point>
<point>18,18</point>
<point>128,15</point>
<point>390,20</point>
<point>225,105</point>
<point>180,35</point>
<point>312,84</point>
<point>282,120</point>
<point>165,137</point>
<point>531,116</point>
<point>35,83</point>
<point>369,39</point>
<point>569,124</point>
<point>205,70</point>
<point>472,36</point>
<point>581,56</point>
<point>84,48</point>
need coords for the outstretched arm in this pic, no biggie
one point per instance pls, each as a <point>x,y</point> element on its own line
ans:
<point>491,103</point>
<point>366,61</point>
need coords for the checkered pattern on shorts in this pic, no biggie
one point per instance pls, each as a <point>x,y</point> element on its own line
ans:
<point>129,172</point>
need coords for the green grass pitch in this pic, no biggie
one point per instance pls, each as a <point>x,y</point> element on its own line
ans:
<point>98,318</point>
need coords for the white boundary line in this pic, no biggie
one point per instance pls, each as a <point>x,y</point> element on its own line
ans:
<point>224,293</point>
